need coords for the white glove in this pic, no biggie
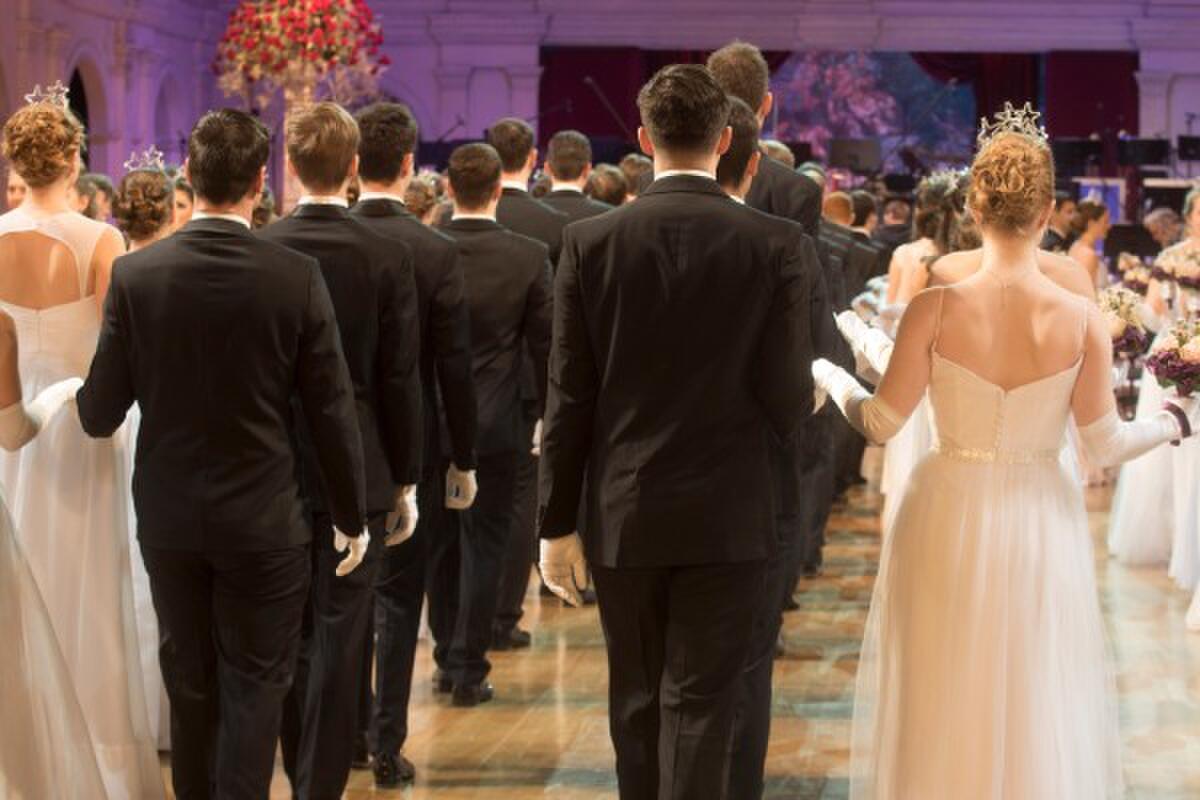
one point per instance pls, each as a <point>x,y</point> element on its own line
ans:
<point>867,414</point>
<point>1150,320</point>
<point>872,347</point>
<point>819,398</point>
<point>564,569</point>
<point>461,488</point>
<point>19,423</point>
<point>537,439</point>
<point>401,521</point>
<point>358,550</point>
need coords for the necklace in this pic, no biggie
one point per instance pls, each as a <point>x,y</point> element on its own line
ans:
<point>1006,285</point>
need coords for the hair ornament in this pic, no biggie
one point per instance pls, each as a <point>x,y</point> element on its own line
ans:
<point>1024,121</point>
<point>151,158</point>
<point>55,94</point>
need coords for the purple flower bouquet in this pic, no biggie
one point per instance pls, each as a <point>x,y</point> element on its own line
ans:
<point>1175,359</point>
<point>1120,309</point>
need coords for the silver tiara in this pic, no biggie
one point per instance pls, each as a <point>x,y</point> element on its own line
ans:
<point>1023,120</point>
<point>55,94</point>
<point>150,158</point>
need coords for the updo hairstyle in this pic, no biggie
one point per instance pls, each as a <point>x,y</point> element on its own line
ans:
<point>143,203</point>
<point>1012,183</point>
<point>42,142</point>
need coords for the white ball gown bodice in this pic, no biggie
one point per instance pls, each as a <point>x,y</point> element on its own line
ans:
<point>66,493</point>
<point>984,672</point>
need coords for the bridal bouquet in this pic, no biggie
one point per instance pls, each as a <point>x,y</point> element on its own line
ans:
<point>1135,275</point>
<point>1120,310</point>
<point>1164,267</point>
<point>1175,358</point>
<point>1186,267</point>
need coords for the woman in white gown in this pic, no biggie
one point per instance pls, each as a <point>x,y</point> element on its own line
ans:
<point>143,210</point>
<point>984,672</point>
<point>66,492</point>
<point>45,751</point>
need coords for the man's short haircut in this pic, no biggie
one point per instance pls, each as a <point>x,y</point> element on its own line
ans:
<point>898,209</point>
<point>606,184</point>
<point>731,169</point>
<point>864,206</point>
<point>569,154</point>
<point>1061,198</point>
<point>634,166</point>
<point>387,133</point>
<point>227,150</point>
<point>322,141</point>
<point>778,151</point>
<point>741,71</point>
<point>683,109</point>
<point>838,207</point>
<point>474,174</point>
<point>513,140</point>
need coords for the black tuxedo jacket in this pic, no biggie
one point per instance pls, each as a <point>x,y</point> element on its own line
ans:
<point>782,192</point>
<point>370,280</point>
<point>212,332</point>
<point>576,205</point>
<point>682,347</point>
<point>1055,242</point>
<point>508,297</point>
<point>889,237</point>
<point>523,213</point>
<point>445,358</point>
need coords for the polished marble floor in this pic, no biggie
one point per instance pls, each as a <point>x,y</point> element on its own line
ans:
<point>546,734</point>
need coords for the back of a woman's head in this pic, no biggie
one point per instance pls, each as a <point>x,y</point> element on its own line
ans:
<point>421,195</point>
<point>1012,181</point>
<point>1089,211</point>
<point>142,207</point>
<point>42,143</point>
<point>938,203</point>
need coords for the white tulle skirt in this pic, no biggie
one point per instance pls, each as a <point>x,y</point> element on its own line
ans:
<point>1142,523</point>
<point>900,457</point>
<point>985,672</point>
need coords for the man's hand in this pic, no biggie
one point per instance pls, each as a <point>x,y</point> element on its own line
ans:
<point>461,488</point>
<point>537,439</point>
<point>564,569</point>
<point>401,521</point>
<point>358,549</point>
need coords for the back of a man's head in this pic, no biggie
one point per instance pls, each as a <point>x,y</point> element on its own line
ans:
<point>864,207</point>
<point>513,140</point>
<point>683,110</point>
<point>322,141</point>
<point>838,208</point>
<point>387,134</point>
<point>633,167</point>
<point>741,71</point>
<point>731,169</point>
<point>568,155</point>
<point>606,184</point>
<point>778,151</point>
<point>474,173</point>
<point>897,211</point>
<point>227,151</point>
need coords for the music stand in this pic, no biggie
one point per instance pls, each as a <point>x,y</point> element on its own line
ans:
<point>863,156</point>
<point>1140,152</point>
<point>1072,155</point>
<point>900,183</point>
<point>1129,238</point>
<point>1189,148</point>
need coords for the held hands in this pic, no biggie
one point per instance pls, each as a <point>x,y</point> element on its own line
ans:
<point>537,439</point>
<point>52,399</point>
<point>563,567</point>
<point>358,550</point>
<point>461,488</point>
<point>401,521</point>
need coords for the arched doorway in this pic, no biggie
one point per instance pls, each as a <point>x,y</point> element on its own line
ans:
<point>79,107</point>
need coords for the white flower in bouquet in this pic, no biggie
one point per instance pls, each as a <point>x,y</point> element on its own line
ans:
<point>1127,262</point>
<point>1190,352</point>
<point>1116,325</point>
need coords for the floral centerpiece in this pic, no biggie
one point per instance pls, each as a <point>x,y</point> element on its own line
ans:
<point>1120,309</point>
<point>1175,359</point>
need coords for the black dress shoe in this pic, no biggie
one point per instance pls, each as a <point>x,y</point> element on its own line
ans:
<point>510,639</point>
<point>393,770</point>
<point>442,682</point>
<point>473,694</point>
<point>362,753</point>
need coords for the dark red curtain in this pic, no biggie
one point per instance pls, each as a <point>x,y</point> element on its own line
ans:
<point>994,77</point>
<point>1091,92</point>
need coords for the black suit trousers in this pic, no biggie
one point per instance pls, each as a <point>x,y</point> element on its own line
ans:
<point>465,579</point>
<point>678,639</point>
<point>321,712</point>
<point>229,632</point>
<point>522,550</point>
<point>399,594</point>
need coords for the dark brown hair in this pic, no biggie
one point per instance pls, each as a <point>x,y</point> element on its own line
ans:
<point>474,174</point>
<point>741,71</point>
<point>606,184</point>
<point>322,141</point>
<point>634,166</point>
<point>513,140</point>
<point>143,202</point>
<point>683,109</point>
<point>226,152</point>
<point>731,169</point>
<point>387,133</point>
<point>569,154</point>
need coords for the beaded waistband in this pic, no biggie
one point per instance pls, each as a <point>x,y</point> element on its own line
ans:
<point>980,456</point>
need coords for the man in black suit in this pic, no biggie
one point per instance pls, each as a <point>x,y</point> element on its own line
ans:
<point>388,140</point>
<point>370,280</point>
<point>741,71</point>
<point>569,163</point>
<point>681,348</point>
<point>1060,231</point>
<point>508,300</point>
<point>520,212</point>
<point>896,228</point>
<point>213,332</point>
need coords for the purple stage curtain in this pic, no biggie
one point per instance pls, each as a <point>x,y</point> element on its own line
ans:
<point>994,77</point>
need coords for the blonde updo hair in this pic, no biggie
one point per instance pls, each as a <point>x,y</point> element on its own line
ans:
<point>1012,182</point>
<point>143,203</point>
<point>42,142</point>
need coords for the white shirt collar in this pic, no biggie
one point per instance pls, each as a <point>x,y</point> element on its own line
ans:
<point>227,217</point>
<point>565,187</point>
<point>323,200</point>
<point>381,196</point>
<point>520,186</point>
<point>489,217</point>
<point>737,199</point>
<point>695,173</point>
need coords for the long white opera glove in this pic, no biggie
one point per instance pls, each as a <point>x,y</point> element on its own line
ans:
<point>1110,441</point>
<point>564,568</point>
<point>461,488</point>
<point>357,546</point>
<point>19,423</point>
<point>872,347</point>
<point>866,413</point>
<point>401,521</point>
